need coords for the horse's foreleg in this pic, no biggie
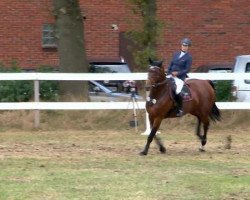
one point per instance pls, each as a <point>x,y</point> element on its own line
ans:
<point>160,145</point>
<point>156,123</point>
<point>149,140</point>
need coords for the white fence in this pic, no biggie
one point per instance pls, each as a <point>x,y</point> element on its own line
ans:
<point>36,77</point>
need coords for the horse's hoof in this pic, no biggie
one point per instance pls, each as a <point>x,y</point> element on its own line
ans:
<point>143,153</point>
<point>201,149</point>
<point>163,150</point>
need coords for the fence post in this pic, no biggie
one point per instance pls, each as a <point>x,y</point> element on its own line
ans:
<point>148,127</point>
<point>36,98</point>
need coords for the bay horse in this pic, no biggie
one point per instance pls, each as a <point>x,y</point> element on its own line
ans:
<point>161,104</point>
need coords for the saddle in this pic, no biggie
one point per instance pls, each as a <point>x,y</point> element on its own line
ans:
<point>186,93</point>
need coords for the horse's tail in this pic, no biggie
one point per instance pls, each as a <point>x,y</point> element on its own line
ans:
<point>215,114</point>
<point>212,84</point>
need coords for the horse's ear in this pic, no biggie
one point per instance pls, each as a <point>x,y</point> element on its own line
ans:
<point>150,60</point>
<point>161,63</point>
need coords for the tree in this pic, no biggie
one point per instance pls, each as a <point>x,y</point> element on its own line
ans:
<point>71,47</point>
<point>145,37</point>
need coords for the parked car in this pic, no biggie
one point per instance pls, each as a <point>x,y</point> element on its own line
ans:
<point>241,88</point>
<point>214,68</point>
<point>100,93</point>
<point>111,67</point>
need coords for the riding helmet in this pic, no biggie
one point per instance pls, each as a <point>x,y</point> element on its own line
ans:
<point>186,41</point>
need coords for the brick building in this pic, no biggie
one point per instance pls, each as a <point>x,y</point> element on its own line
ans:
<point>219,29</point>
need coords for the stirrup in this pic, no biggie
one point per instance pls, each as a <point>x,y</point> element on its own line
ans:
<point>179,113</point>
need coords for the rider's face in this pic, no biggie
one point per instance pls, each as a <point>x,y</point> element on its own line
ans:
<point>184,48</point>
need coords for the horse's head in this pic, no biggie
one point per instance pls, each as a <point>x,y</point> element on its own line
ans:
<point>156,73</point>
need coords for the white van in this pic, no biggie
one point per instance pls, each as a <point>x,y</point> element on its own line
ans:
<point>241,87</point>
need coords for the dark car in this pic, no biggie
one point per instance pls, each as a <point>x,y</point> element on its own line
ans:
<point>100,93</point>
<point>225,67</point>
<point>111,67</point>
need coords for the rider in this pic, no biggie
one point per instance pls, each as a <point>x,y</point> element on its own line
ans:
<point>178,68</point>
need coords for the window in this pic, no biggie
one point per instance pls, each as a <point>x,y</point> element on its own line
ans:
<point>48,36</point>
<point>247,71</point>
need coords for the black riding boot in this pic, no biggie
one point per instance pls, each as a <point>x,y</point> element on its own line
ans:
<point>178,98</point>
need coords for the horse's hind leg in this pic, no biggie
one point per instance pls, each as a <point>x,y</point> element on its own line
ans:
<point>198,129</point>
<point>203,138</point>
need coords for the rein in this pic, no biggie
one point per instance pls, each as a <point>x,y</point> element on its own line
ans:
<point>157,84</point>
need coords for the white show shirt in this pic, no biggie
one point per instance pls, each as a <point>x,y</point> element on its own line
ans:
<point>182,54</point>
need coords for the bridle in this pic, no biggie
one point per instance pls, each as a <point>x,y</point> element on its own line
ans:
<point>150,100</point>
<point>157,84</point>
<point>154,85</point>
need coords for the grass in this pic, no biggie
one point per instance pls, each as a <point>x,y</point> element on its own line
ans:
<point>96,164</point>
<point>108,120</point>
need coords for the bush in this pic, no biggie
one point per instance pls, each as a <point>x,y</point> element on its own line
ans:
<point>14,91</point>
<point>223,91</point>
<point>22,91</point>
<point>48,89</point>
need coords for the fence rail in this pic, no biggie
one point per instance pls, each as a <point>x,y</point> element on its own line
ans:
<point>112,76</point>
<point>101,105</point>
<point>36,77</point>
